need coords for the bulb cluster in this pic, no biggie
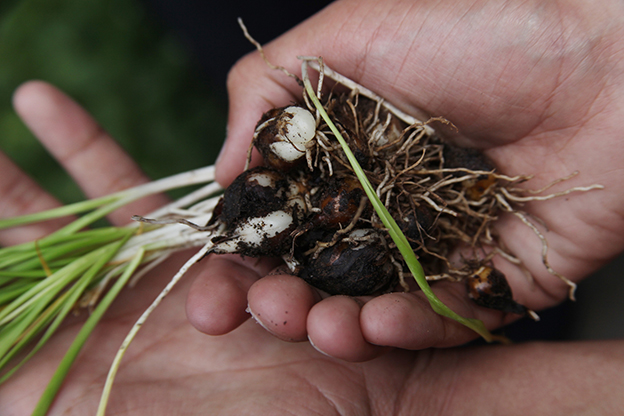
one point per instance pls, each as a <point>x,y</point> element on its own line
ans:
<point>306,206</point>
<point>306,217</point>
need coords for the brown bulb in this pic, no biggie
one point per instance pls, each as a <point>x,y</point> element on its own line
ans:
<point>338,202</point>
<point>351,268</point>
<point>489,288</point>
<point>254,193</point>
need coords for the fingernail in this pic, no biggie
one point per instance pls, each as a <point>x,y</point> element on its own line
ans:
<point>317,348</point>
<point>256,318</point>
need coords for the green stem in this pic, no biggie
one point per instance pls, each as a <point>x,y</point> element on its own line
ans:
<point>111,202</point>
<point>41,321</point>
<point>59,212</point>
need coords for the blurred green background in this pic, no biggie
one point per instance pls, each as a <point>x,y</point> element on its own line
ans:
<point>138,81</point>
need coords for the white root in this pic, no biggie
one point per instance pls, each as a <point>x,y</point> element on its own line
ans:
<point>261,51</point>
<point>438,208</point>
<point>571,285</point>
<point>516,198</point>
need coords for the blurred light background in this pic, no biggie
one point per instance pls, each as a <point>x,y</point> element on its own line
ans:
<point>152,73</point>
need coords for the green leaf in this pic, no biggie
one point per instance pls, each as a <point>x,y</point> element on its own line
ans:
<point>51,390</point>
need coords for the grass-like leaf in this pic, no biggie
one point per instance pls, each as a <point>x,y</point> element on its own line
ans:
<point>52,388</point>
<point>43,281</point>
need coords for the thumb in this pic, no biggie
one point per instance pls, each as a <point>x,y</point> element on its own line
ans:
<point>253,88</point>
<point>342,34</point>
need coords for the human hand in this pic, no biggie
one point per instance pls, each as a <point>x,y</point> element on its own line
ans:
<point>173,369</point>
<point>535,85</point>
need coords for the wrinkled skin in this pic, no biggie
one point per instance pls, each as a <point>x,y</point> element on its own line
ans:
<point>538,85</point>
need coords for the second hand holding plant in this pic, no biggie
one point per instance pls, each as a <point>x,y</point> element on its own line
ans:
<point>241,234</point>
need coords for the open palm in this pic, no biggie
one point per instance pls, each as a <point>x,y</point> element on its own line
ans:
<point>172,369</point>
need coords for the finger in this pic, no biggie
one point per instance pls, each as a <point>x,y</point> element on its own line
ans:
<point>352,47</point>
<point>82,147</point>
<point>281,304</point>
<point>21,195</point>
<point>407,320</point>
<point>334,329</point>
<point>253,88</point>
<point>217,301</point>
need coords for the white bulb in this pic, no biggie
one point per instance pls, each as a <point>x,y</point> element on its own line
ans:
<point>255,231</point>
<point>299,130</point>
<point>263,179</point>
<point>301,127</point>
<point>286,151</point>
